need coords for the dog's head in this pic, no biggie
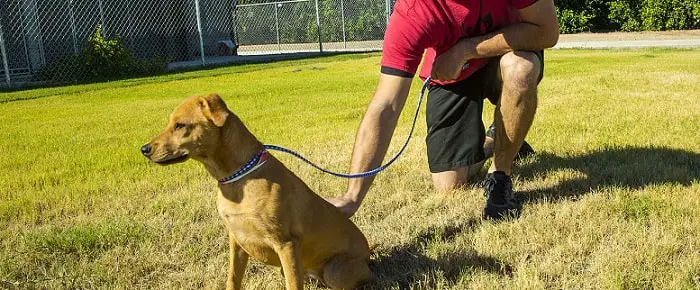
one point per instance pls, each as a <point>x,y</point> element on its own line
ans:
<point>193,129</point>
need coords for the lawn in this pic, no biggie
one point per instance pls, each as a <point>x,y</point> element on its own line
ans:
<point>612,197</point>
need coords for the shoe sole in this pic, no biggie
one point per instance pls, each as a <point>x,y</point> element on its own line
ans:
<point>500,212</point>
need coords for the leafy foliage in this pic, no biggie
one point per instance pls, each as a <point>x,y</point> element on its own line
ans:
<point>573,22</point>
<point>625,14</point>
<point>628,15</point>
<point>102,59</point>
<point>107,57</point>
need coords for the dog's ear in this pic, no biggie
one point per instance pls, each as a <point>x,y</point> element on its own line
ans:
<point>214,109</point>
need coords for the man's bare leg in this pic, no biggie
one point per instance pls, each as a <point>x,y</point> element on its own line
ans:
<point>460,177</point>
<point>515,112</point>
<point>451,179</point>
<point>516,108</point>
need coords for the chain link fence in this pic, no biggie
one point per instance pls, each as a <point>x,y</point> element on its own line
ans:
<point>291,26</point>
<point>41,35</point>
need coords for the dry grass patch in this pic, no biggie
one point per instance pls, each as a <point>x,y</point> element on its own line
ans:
<point>612,195</point>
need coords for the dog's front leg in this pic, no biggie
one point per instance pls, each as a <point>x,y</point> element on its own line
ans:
<point>288,253</point>
<point>237,262</point>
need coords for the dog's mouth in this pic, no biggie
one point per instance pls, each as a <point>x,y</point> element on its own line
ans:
<point>173,160</point>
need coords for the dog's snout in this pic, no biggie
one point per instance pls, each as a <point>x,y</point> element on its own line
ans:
<point>146,150</point>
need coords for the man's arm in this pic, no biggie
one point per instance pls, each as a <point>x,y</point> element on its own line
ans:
<point>538,29</point>
<point>373,137</point>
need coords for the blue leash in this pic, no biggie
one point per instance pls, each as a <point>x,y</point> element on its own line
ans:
<point>373,171</point>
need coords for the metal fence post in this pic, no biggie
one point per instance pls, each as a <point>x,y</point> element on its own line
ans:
<point>102,17</point>
<point>72,27</point>
<point>234,15</point>
<point>277,26</point>
<point>26,52</point>
<point>5,64</point>
<point>318,28</point>
<point>342,20</point>
<point>130,25</point>
<point>387,11</point>
<point>199,30</point>
<point>39,38</point>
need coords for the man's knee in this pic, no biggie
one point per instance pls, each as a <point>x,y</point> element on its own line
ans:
<point>520,70</point>
<point>449,180</point>
<point>457,178</point>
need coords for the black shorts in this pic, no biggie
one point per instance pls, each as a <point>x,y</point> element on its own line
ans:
<point>455,130</point>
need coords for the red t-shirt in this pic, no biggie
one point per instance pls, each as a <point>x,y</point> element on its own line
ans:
<point>437,25</point>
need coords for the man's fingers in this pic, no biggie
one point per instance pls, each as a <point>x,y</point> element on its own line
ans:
<point>436,75</point>
<point>435,71</point>
<point>349,212</point>
<point>337,202</point>
<point>345,206</point>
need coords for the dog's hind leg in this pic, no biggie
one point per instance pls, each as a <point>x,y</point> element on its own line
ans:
<point>237,262</point>
<point>291,265</point>
<point>344,272</point>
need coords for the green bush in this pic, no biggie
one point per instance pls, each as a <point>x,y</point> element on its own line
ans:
<point>573,22</point>
<point>668,14</point>
<point>625,13</point>
<point>102,59</point>
<point>637,15</point>
<point>583,15</point>
<point>107,58</point>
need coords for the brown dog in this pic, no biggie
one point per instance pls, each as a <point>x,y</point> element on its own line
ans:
<point>271,215</point>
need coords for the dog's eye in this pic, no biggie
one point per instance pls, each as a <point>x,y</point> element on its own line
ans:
<point>179,126</point>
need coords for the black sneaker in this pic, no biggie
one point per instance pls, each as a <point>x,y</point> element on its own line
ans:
<point>525,149</point>
<point>491,131</point>
<point>500,200</point>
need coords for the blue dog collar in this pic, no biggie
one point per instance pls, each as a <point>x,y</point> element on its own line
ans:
<point>255,163</point>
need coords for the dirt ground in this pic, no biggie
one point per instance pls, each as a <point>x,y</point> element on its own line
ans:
<point>647,35</point>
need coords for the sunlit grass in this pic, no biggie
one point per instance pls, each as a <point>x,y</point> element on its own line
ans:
<point>613,197</point>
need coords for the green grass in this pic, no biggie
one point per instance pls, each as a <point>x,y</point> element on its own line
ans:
<point>613,195</point>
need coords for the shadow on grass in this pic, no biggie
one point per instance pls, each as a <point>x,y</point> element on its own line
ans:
<point>628,167</point>
<point>408,265</point>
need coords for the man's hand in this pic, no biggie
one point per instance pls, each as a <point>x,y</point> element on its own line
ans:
<point>345,205</point>
<point>448,66</point>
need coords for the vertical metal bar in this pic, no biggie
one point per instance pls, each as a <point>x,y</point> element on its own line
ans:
<point>129,28</point>
<point>39,34</point>
<point>342,19</point>
<point>72,27</point>
<point>132,28</point>
<point>5,64</point>
<point>235,23</point>
<point>199,30</point>
<point>102,17</point>
<point>277,26</point>
<point>387,11</point>
<point>318,28</point>
<point>26,51</point>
